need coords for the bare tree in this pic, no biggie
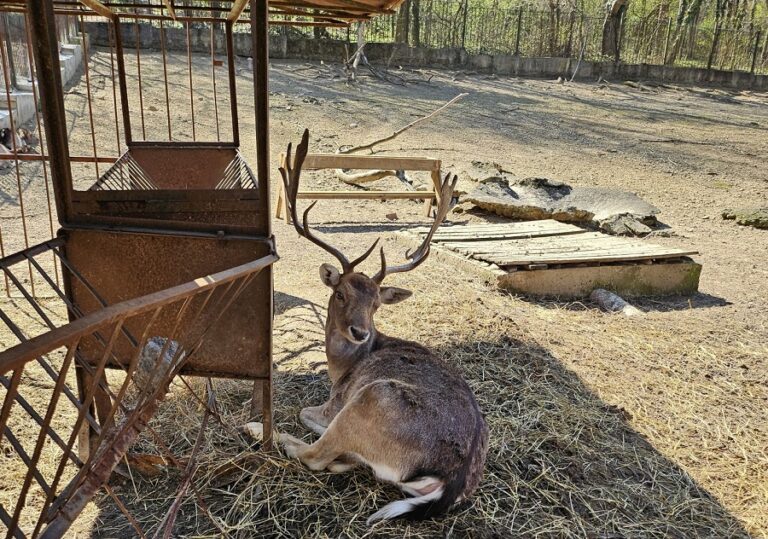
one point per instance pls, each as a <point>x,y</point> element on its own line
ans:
<point>403,22</point>
<point>614,17</point>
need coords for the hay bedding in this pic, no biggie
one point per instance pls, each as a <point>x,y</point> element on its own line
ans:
<point>561,463</point>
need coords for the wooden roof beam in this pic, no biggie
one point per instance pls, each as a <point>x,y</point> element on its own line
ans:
<point>237,9</point>
<point>99,8</point>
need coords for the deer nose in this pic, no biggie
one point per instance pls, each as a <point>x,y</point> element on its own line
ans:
<point>360,335</point>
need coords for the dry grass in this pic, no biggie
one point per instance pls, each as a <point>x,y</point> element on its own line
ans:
<point>601,426</point>
<point>562,462</point>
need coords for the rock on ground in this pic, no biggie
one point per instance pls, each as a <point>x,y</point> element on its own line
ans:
<point>757,218</point>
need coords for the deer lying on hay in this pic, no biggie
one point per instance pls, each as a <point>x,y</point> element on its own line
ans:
<point>394,405</point>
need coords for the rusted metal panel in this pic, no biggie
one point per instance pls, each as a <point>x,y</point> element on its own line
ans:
<point>123,265</point>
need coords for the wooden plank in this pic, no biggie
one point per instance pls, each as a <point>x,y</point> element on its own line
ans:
<point>316,161</point>
<point>356,195</point>
<point>562,249</point>
<point>478,233</point>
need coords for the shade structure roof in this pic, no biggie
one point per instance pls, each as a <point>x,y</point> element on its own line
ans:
<point>344,9</point>
<point>314,12</point>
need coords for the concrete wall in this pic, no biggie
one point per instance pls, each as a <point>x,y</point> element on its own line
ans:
<point>502,64</point>
<point>23,100</point>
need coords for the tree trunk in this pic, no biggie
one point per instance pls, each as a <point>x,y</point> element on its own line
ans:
<point>403,22</point>
<point>686,15</point>
<point>719,9</point>
<point>612,28</point>
<point>416,24</point>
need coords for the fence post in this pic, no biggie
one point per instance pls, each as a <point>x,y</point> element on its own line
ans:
<point>666,42</point>
<point>754,52</point>
<point>464,25</point>
<point>519,25</point>
<point>6,38</point>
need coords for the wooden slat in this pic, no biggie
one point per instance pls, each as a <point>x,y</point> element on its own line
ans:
<point>548,242</point>
<point>499,231</point>
<point>355,195</point>
<point>316,161</point>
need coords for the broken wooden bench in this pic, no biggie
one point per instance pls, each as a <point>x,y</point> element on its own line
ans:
<point>365,162</point>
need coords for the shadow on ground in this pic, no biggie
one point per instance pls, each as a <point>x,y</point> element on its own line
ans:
<point>562,463</point>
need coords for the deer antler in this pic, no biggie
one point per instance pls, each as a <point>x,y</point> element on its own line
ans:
<point>291,173</point>
<point>421,254</point>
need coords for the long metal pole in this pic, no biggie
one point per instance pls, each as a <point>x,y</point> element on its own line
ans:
<point>260,53</point>
<point>45,46</point>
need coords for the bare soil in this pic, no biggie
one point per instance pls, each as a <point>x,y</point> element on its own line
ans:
<point>601,426</point>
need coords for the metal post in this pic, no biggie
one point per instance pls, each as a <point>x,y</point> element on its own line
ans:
<point>122,80</point>
<point>754,52</point>
<point>232,82</point>
<point>42,23</point>
<point>260,52</point>
<point>519,26</point>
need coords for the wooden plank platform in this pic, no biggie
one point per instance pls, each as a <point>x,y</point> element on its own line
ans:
<point>551,258</point>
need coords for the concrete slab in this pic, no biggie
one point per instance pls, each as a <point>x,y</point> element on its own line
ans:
<point>542,198</point>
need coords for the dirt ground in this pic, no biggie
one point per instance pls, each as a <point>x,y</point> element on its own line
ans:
<point>601,426</point>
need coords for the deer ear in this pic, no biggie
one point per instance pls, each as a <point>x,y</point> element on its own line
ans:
<point>390,294</point>
<point>329,275</point>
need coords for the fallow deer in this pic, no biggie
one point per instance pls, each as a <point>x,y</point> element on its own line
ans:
<point>394,405</point>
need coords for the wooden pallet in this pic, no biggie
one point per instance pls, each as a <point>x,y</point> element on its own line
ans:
<point>558,259</point>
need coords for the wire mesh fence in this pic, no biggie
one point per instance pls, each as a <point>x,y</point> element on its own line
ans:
<point>651,39</point>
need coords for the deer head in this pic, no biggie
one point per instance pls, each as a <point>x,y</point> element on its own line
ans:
<point>356,297</point>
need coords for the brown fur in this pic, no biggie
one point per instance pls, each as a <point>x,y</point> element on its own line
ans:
<point>393,403</point>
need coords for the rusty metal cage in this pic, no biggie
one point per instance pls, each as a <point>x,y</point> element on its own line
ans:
<point>165,230</point>
<point>150,338</point>
<point>171,237</point>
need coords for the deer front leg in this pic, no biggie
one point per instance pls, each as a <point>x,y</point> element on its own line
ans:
<point>315,418</point>
<point>316,456</point>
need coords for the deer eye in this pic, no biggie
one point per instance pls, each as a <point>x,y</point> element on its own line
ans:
<point>339,296</point>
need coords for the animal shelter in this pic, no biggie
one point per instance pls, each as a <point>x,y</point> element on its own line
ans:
<point>171,236</point>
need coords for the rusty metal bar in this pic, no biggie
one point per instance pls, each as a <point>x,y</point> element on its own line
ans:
<point>32,473</point>
<point>57,390</point>
<point>191,93</point>
<point>27,407</point>
<point>114,83</point>
<point>11,391</point>
<point>90,394</point>
<point>5,64</point>
<point>232,83</point>
<point>46,52</point>
<point>46,180</point>
<point>87,70</point>
<point>213,77</point>
<point>5,518</point>
<point>2,255</point>
<point>123,86</point>
<point>260,48</point>
<point>165,77</point>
